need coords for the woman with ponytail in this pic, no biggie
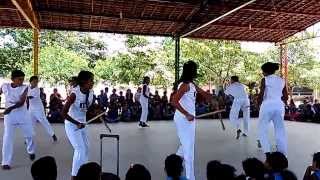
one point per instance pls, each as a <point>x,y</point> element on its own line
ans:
<point>184,102</point>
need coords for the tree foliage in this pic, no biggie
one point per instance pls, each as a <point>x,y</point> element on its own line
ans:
<point>16,50</point>
<point>63,54</point>
<point>58,64</point>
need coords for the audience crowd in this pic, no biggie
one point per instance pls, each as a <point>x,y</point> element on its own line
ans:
<point>125,106</point>
<point>274,168</point>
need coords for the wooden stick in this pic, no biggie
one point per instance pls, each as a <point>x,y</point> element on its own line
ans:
<point>94,118</point>
<point>210,113</point>
<point>221,121</point>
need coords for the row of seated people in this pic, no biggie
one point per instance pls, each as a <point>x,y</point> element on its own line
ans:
<point>305,112</point>
<point>275,168</point>
<point>127,107</point>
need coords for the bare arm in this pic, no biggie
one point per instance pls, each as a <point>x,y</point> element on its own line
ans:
<point>261,93</point>
<point>285,95</point>
<point>176,98</point>
<point>207,96</point>
<point>144,89</point>
<point>20,103</point>
<point>70,100</point>
<point>308,174</point>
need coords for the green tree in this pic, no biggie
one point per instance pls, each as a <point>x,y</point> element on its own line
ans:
<point>58,64</point>
<point>303,65</point>
<point>16,50</point>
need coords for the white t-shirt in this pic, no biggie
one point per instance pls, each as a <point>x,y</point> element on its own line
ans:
<point>237,90</point>
<point>13,95</point>
<point>273,88</point>
<point>82,102</point>
<point>35,103</point>
<point>188,100</point>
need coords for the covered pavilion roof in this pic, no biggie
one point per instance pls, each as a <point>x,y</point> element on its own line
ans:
<point>261,20</point>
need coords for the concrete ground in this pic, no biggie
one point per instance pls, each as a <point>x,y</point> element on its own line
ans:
<point>150,146</point>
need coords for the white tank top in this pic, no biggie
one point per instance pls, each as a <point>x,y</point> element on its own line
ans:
<point>142,97</point>
<point>13,95</point>
<point>188,100</point>
<point>81,104</point>
<point>273,88</point>
<point>35,103</point>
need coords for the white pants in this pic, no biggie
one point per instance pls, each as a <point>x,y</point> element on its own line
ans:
<point>41,117</point>
<point>10,124</point>
<point>272,111</point>
<point>80,144</point>
<point>144,106</point>
<point>186,131</point>
<point>244,105</point>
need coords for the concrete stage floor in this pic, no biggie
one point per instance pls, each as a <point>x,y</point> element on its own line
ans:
<point>150,146</point>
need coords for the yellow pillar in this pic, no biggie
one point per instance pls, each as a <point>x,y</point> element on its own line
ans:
<point>35,52</point>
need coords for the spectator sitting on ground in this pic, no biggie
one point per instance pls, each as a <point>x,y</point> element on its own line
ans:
<point>126,113</point>
<point>293,110</point>
<point>89,171</point>
<point>164,98</point>
<point>306,110</point>
<point>138,172</point>
<point>313,171</point>
<point>109,176</point>
<point>105,99</point>
<point>276,163</point>
<point>113,114</point>
<point>218,171</point>
<point>254,169</point>
<point>121,99</point>
<point>137,95</point>
<point>174,167</point>
<point>55,94</point>
<point>288,175</point>
<point>129,97</point>
<point>55,107</point>
<point>99,98</point>
<point>316,108</point>
<point>114,97</point>
<point>44,168</point>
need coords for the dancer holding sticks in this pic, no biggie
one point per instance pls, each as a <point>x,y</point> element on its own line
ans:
<point>184,101</point>
<point>74,112</point>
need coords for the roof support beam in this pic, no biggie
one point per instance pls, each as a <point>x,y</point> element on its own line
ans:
<point>25,8</point>
<point>282,12</point>
<point>35,52</point>
<point>218,18</point>
<point>99,15</point>
<point>203,4</point>
<point>252,28</point>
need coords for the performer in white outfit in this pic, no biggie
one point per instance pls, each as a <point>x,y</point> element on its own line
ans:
<point>36,108</point>
<point>16,116</point>
<point>74,112</point>
<point>144,102</point>
<point>184,101</point>
<point>240,101</point>
<point>273,97</point>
